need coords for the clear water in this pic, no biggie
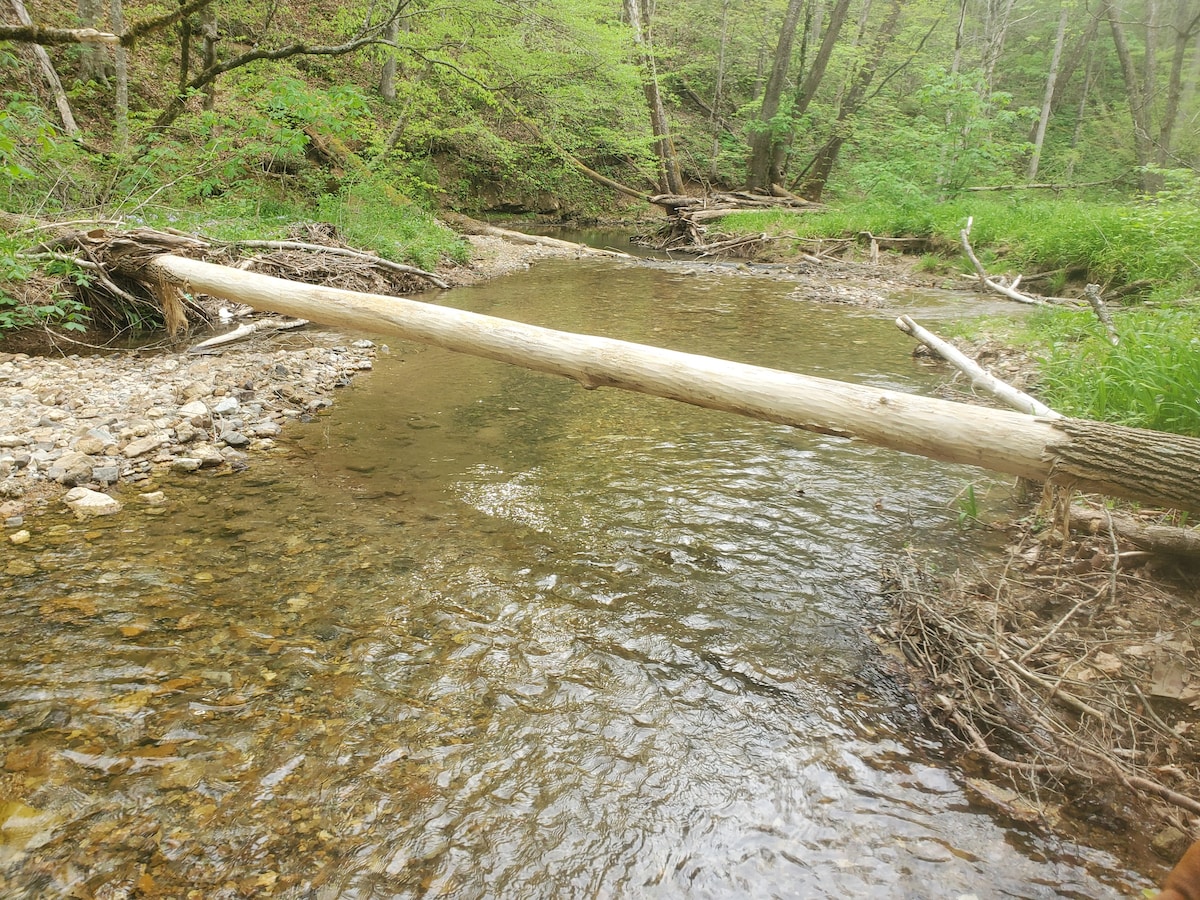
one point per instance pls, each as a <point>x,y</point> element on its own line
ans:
<point>482,633</point>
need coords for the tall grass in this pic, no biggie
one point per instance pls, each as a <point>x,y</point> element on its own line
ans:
<point>1109,242</point>
<point>1151,379</point>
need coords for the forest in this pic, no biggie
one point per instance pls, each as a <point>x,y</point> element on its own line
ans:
<point>961,144</point>
<point>1069,133</point>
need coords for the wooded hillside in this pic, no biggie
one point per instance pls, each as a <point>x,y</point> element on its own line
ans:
<point>506,105</point>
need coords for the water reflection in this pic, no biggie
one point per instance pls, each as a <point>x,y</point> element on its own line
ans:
<point>489,635</point>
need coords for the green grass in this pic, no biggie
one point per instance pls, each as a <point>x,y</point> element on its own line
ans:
<point>1151,379</point>
<point>1111,243</point>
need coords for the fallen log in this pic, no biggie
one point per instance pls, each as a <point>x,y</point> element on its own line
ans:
<point>979,376</point>
<point>1009,291</point>
<point>1124,462</point>
<point>472,226</point>
<point>1168,539</point>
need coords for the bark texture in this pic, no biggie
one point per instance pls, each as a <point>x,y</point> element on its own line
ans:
<point>1141,465</point>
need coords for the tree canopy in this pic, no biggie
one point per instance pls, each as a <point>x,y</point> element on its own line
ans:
<point>495,103</point>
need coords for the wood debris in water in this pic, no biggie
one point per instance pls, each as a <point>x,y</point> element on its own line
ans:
<point>1071,671</point>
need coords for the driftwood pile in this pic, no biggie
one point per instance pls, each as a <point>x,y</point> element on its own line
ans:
<point>1068,670</point>
<point>689,228</point>
<point>119,295</point>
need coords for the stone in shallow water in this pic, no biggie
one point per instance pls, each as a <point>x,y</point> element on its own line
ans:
<point>85,502</point>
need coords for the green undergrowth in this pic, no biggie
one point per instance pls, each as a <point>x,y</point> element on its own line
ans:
<point>1150,379</point>
<point>1111,242</point>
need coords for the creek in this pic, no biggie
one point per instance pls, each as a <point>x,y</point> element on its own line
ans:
<point>482,633</point>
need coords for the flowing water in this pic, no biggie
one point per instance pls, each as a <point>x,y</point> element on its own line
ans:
<point>486,634</point>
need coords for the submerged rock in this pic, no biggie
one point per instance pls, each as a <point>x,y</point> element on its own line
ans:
<point>85,502</point>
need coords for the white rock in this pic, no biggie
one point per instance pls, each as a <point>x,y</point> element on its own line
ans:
<point>195,408</point>
<point>85,502</point>
<point>143,445</point>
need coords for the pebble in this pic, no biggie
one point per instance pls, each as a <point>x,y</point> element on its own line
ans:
<point>91,423</point>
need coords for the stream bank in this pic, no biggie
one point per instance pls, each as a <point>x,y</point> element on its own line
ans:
<point>89,424</point>
<point>252,384</point>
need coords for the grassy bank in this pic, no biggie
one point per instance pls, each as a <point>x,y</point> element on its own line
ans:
<point>1151,379</point>
<point>1113,243</point>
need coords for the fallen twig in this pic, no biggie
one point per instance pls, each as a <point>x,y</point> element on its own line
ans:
<point>353,254</point>
<point>244,331</point>
<point>1159,538</point>
<point>996,286</point>
<point>1092,294</point>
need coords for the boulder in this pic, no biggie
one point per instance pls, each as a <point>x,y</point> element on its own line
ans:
<point>84,503</point>
<point>72,468</point>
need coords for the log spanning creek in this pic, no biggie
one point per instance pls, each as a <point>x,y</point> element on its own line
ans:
<point>483,633</point>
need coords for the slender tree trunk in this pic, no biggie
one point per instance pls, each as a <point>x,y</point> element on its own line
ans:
<point>93,59</point>
<point>998,17</point>
<point>943,169</point>
<point>1048,99</point>
<point>116,14</point>
<point>820,169</point>
<point>670,179</point>
<point>806,91</point>
<point>1191,86</point>
<point>51,76</point>
<point>1080,50</point>
<point>714,118</point>
<point>1138,104</point>
<point>185,50</point>
<point>763,137</point>
<point>1187,24</point>
<point>1080,115</point>
<point>208,28</point>
<point>387,76</point>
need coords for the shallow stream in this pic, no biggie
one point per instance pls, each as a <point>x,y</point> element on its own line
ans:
<point>486,634</point>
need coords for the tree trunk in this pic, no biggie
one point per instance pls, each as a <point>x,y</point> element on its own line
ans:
<point>121,93</point>
<point>763,135</point>
<point>1187,23</point>
<point>1125,462</point>
<point>807,90</point>
<point>1048,99</point>
<point>820,169</point>
<point>93,59</point>
<point>387,76</point>
<point>1072,59</point>
<point>997,17</point>
<point>714,117</point>
<point>1080,116</point>
<point>208,28</point>
<point>1139,110</point>
<point>185,51</point>
<point>51,76</point>
<point>670,179</point>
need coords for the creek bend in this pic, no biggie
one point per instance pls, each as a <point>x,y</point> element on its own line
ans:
<point>486,634</point>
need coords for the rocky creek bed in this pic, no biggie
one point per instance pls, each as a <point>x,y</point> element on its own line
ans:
<point>98,430</point>
<point>92,430</point>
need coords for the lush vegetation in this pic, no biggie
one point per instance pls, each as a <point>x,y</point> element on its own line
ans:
<point>375,116</point>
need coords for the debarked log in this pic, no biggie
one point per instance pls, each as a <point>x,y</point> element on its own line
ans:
<point>1148,466</point>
